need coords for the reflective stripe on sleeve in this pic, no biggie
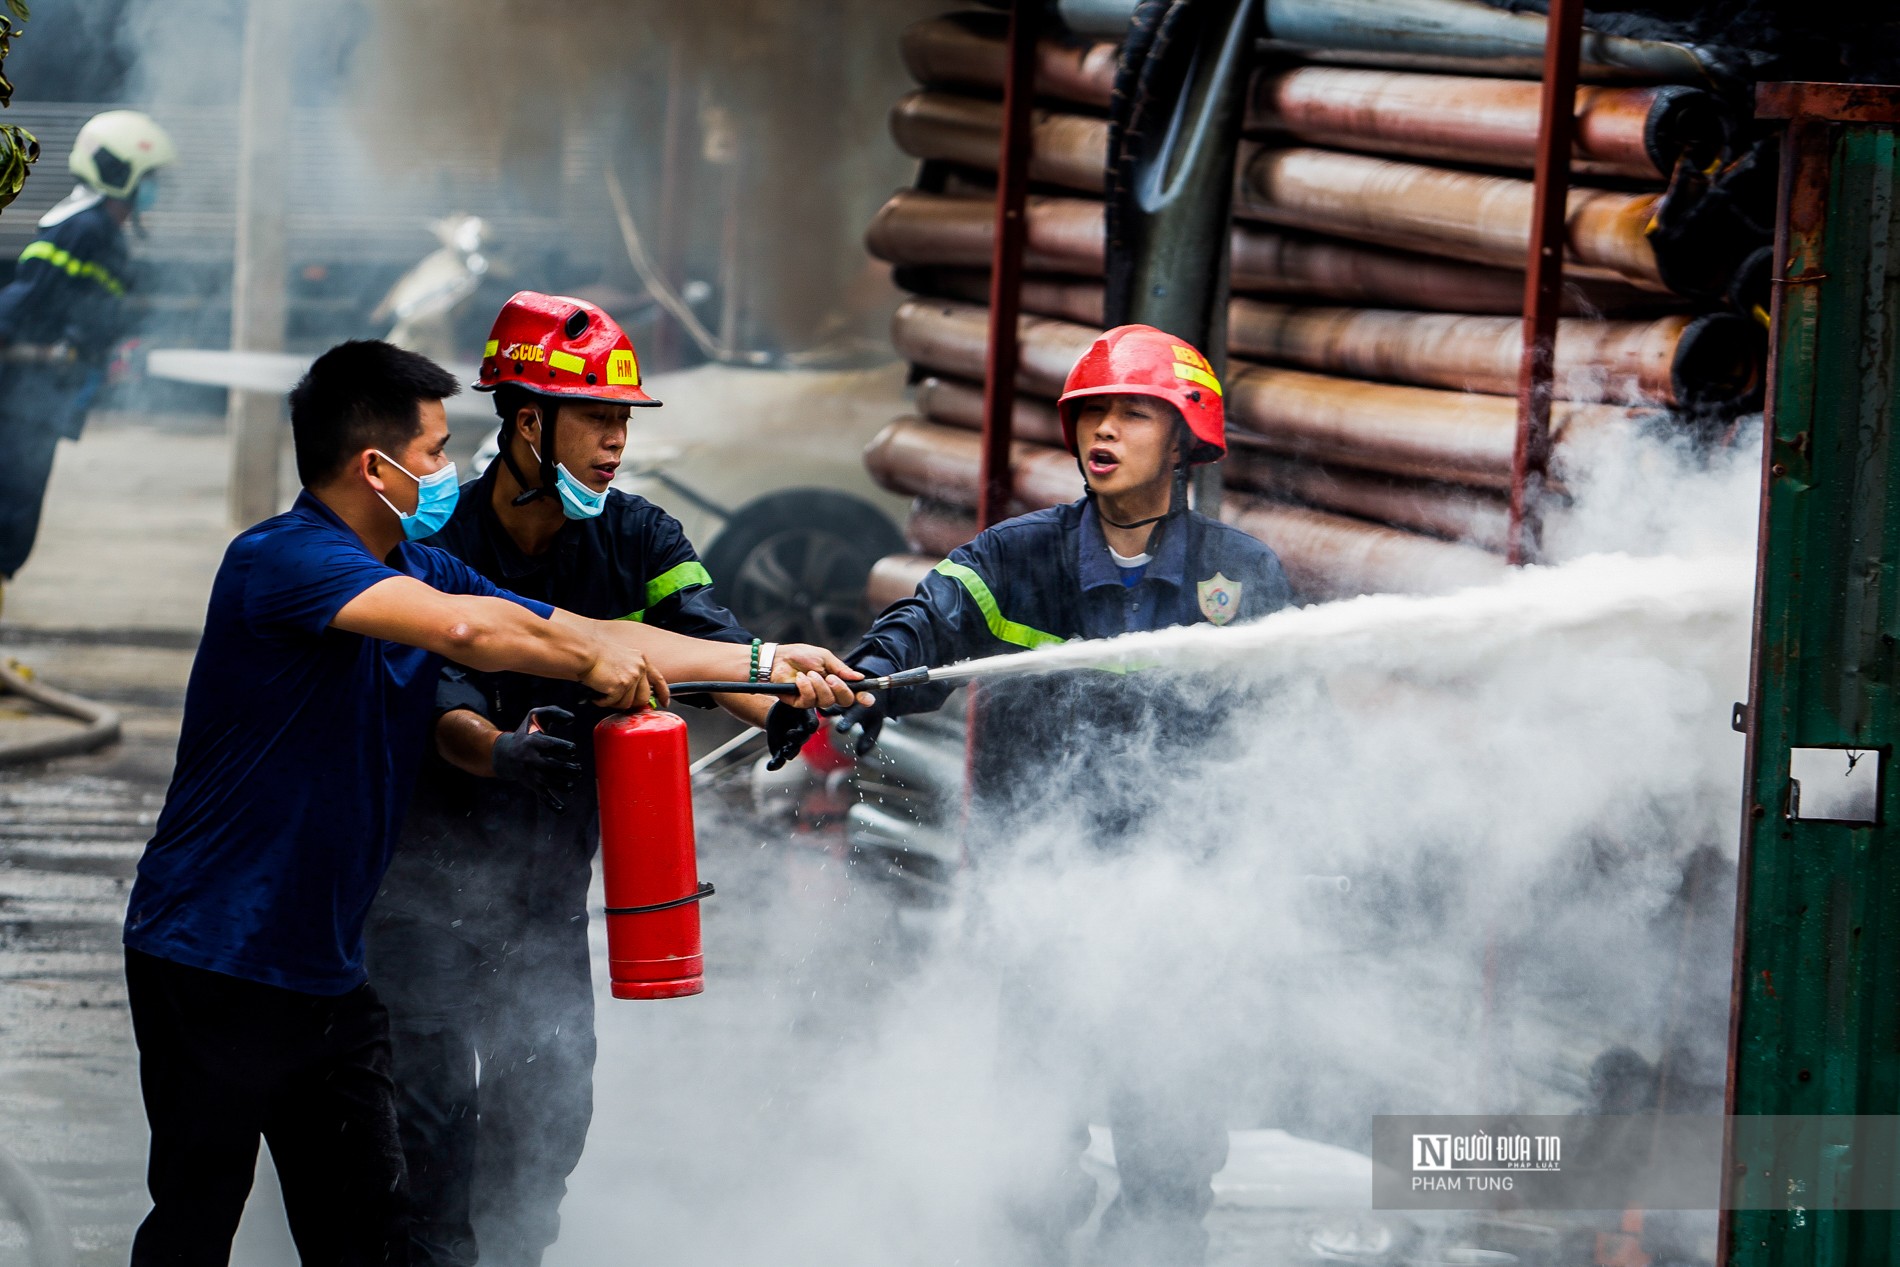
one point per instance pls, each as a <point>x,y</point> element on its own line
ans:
<point>1004,630</point>
<point>64,261</point>
<point>675,579</point>
<point>669,583</point>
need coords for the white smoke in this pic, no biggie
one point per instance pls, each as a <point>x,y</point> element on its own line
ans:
<point>1532,790</point>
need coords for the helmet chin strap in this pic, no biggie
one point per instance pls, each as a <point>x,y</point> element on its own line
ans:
<point>546,487</point>
<point>1177,497</point>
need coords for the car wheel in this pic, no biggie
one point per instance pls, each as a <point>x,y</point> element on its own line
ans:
<point>792,565</point>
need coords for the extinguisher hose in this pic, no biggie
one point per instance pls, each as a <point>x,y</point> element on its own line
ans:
<point>786,689</point>
<point>704,891</point>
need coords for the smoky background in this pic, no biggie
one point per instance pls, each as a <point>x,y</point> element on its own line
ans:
<point>748,138</point>
<point>1539,834</point>
<point>1540,848</point>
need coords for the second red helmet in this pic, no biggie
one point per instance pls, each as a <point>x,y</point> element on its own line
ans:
<point>1144,361</point>
<point>565,347</point>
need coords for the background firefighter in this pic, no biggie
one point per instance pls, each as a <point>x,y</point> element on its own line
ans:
<point>479,940</point>
<point>61,313</point>
<point>1138,408</point>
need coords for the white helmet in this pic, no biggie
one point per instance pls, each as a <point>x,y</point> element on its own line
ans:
<point>118,149</point>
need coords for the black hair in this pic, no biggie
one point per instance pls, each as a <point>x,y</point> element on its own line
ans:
<point>512,398</point>
<point>363,394</point>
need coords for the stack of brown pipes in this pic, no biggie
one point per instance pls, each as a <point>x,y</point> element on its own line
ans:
<point>1382,220</point>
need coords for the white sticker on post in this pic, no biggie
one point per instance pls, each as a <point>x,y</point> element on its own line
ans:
<point>1834,785</point>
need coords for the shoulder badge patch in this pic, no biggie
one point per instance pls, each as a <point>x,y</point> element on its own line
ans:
<point>1220,598</point>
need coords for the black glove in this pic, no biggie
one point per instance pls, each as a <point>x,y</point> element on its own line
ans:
<point>869,718</point>
<point>786,730</point>
<point>531,756</point>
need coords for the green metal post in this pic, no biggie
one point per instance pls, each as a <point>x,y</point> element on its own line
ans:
<point>1816,1018</point>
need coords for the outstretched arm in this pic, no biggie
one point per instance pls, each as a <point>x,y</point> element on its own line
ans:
<point>495,634</point>
<point>622,661</point>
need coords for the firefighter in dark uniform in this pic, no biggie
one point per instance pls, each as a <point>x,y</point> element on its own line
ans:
<point>1139,408</point>
<point>478,941</point>
<point>61,313</point>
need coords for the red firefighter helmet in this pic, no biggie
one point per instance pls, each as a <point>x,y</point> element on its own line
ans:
<point>1144,361</point>
<point>561,347</point>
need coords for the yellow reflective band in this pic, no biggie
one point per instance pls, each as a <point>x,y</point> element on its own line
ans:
<point>1004,630</point>
<point>566,361</point>
<point>62,260</point>
<point>675,579</point>
<point>1195,374</point>
<point>490,348</point>
<point>669,583</point>
<point>622,369</point>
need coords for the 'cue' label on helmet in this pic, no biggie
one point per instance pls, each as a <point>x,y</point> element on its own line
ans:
<point>622,369</point>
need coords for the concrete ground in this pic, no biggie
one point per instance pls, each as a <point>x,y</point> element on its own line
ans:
<point>719,1133</point>
<point>109,607</point>
<point>132,532</point>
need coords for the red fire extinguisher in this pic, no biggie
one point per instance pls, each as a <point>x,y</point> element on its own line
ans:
<point>646,856</point>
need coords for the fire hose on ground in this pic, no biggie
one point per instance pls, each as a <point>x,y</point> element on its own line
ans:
<point>101,723</point>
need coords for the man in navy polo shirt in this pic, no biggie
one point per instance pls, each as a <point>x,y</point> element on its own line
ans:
<point>309,704</point>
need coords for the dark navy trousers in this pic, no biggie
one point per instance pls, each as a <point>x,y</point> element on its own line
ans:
<point>493,1040</point>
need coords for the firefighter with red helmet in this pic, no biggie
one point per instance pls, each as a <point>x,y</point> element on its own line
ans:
<point>478,941</point>
<point>1139,408</point>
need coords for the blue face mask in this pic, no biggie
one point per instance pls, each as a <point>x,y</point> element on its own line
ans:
<point>146,194</point>
<point>577,500</point>
<point>436,495</point>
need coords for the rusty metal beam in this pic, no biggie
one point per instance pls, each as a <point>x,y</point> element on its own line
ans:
<point>1636,133</point>
<point>1070,150</point>
<point>916,229</point>
<point>927,459</point>
<point>960,404</point>
<point>1466,36</point>
<point>1544,274</point>
<point>947,336</point>
<point>1428,433</point>
<point>1006,267</point>
<point>1333,556</point>
<point>1420,432</point>
<point>1679,360</point>
<point>1326,555</point>
<point>1463,215</point>
<point>970,50</point>
<point>1454,512</point>
<point>1713,360</point>
<point>1832,103</point>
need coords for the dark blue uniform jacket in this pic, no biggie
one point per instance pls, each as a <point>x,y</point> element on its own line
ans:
<point>474,847</point>
<point>1048,577</point>
<point>68,288</point>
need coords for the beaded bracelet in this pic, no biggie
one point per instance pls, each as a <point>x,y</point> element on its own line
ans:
<point>753,674</point>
